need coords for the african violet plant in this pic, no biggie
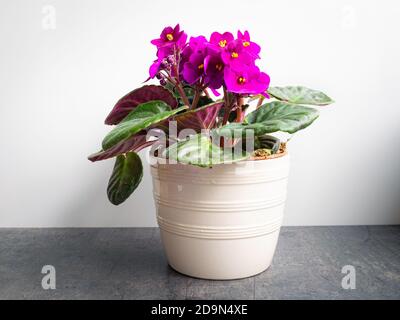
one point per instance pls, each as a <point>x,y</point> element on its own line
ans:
<point>190,74</point>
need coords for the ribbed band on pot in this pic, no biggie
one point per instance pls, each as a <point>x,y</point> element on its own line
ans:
<point>206,232</point>
<point>163,173</point>
<point>231,206</point>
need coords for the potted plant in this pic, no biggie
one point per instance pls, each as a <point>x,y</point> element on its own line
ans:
<point>219,176</point>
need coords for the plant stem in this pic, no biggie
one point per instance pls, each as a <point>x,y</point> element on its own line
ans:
<point>182,94</point>
<point>226,99</point>
<point>178,83</point>
<point>227,107</point>
<point>260,101</point>
<point>226,116</point>
<point>196,98</point>
<point>239,111</point>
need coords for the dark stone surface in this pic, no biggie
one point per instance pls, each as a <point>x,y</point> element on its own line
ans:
<point>130,264</point>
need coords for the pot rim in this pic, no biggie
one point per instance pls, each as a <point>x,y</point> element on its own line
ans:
<point>271,157</point>
<point>284,154</point>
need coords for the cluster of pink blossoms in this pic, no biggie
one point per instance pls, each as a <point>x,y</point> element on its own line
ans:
<point>221,61</point>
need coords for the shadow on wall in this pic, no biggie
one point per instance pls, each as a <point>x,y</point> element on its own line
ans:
<point>87,200</point>
<point>88,204</point>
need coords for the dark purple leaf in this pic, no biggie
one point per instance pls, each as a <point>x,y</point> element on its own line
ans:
<point>201,118</point>
<point>135,143</point>
<point>138,96</point>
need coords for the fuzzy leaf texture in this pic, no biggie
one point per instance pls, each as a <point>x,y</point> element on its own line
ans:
<point>267,142</point>
<point>300,95</point>
<point>134,143</point>
<point>137,97</point>
<point>142,117</point>
<point>200,118</point>
<point>126,176</point>
<point>200,151</point>
<point>272,117</point>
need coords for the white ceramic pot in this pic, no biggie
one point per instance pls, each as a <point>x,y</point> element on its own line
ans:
<point>221,222</point>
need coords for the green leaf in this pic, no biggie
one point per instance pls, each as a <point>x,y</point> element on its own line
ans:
<point>189,91</point>
<point>272,117</point>
<point>126,176</point>
<point>280,116</point>
<point>136,97</point>
<point>300,95</point>
<point>200,151</point>
<point>267,142</point>
<point>140,118</point>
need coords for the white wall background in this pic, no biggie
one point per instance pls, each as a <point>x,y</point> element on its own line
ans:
<point>57,86</point>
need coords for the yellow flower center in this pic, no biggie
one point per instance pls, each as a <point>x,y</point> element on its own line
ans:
<point>222,43</point>
<point>218,67</point>
<point>235,55</point>
<point>201,66</point>
<point>241,80</point>
<point>170,37</point>
<point>246,43</point>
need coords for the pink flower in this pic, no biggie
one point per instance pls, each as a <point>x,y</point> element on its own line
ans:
<point>222,61</point>
<point>194,68</point>
<point>235,55</point>
<point>251,47</point>
<point>214,70</point>
<point>170,37</point>
<point>221,40</point>
<point>193,59</point>
<point>155,68</point>
<point>171,40</point>
<point>248,80</point>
